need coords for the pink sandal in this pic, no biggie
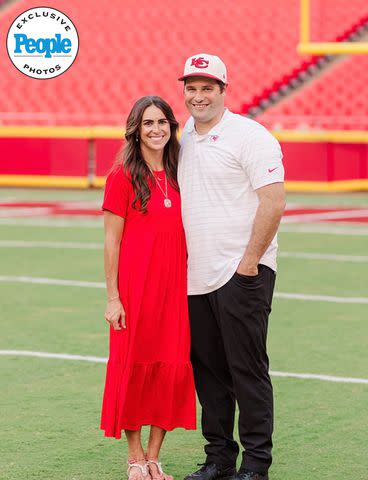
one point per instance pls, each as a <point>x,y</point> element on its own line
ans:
<point>162,475</point>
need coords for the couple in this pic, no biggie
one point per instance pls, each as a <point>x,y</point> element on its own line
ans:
<point>231,200</point>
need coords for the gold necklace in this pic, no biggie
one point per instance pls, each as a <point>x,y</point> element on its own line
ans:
<point>167,201</point>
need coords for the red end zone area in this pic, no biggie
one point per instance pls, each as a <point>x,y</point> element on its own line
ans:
<point>319,214</point>
<point>291,215</point>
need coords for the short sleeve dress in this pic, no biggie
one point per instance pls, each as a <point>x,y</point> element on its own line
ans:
<point>149,377</point>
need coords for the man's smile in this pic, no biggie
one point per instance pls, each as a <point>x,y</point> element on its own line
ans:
<point>200,106</point>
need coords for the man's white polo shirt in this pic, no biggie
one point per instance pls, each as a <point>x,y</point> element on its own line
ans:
<point>218,175</point>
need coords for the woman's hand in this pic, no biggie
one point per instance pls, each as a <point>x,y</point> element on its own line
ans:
<point>115,314</point>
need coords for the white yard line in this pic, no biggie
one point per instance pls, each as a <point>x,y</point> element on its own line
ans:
<point>320,298</point>
<point>86,222</point>
<point>90,205</point>
<point>45,244</point>
<point>51,281</point>
<point>315,217</point>
<point>322,256</point>
<point>78,283</point>
<point>314,376</point>
<point>61,356</point>
<point>99,246</point>
<point>89,358</point>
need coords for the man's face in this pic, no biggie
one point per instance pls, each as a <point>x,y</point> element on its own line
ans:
<point>203,99</point>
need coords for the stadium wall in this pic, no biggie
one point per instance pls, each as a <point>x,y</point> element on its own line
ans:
<point>69,157</point>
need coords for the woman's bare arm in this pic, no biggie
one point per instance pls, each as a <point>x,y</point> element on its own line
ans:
<point>113,226</point>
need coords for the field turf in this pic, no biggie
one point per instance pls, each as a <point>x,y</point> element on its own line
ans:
<point>50,407</point>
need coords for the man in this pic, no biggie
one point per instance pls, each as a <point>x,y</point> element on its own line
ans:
<point>231,181</point>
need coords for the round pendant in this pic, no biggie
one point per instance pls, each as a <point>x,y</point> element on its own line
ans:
<point>167,203</point>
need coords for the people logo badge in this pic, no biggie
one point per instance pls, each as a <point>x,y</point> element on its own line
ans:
<point>42,43</point>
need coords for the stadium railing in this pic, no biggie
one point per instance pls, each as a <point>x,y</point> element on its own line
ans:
<point>80,157</point>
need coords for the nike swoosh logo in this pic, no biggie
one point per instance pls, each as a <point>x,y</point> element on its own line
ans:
<point>270,170</point>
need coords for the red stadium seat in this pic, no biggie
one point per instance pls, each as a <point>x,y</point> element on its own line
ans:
<point>339,97</point>
<point>130,49</point>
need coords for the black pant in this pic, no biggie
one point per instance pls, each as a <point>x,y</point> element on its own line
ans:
<point>230,362</point>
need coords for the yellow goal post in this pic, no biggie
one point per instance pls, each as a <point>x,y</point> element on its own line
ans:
<point>306,46</point>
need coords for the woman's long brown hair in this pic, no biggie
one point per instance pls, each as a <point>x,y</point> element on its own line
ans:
<point>131,158</point>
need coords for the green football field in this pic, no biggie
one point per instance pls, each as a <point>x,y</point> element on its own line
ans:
<point>50,407</point>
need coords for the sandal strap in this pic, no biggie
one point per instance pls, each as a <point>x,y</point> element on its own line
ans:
<point>158,465</point>
<point>143,468</point>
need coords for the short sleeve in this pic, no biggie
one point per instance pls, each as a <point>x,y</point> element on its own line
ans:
<point>262,158</point>
<point>116,195</point>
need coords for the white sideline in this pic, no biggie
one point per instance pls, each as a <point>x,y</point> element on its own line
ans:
<point>46,244</point>
<point>82,222</point>
<point>51,281</point>
<point>314,376</point>
<point>79,283</point>
<point>322,256</point>
<point>86,222</point>
<point>321,298</point>
<point>88,358</point>
<point>99,246</point>
<point>61,356</point>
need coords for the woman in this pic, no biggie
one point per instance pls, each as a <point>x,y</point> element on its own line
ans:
<point>149,379</point>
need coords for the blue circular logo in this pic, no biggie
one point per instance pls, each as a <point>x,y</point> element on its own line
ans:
<point>42,43</point>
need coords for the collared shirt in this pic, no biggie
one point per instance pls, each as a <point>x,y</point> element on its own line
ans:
<point>218,174</point>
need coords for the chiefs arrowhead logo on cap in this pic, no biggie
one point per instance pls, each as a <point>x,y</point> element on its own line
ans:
<point>199,62</point>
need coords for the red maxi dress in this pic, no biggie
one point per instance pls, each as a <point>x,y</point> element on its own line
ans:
<point>149,377</point>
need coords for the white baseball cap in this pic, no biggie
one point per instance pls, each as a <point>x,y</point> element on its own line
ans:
<point>204,65</point>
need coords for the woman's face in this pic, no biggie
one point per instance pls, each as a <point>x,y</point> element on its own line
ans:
<point>154,131</point>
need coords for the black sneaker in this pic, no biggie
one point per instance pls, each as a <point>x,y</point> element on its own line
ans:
<point>212,471</point>
<point>243,475</point>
